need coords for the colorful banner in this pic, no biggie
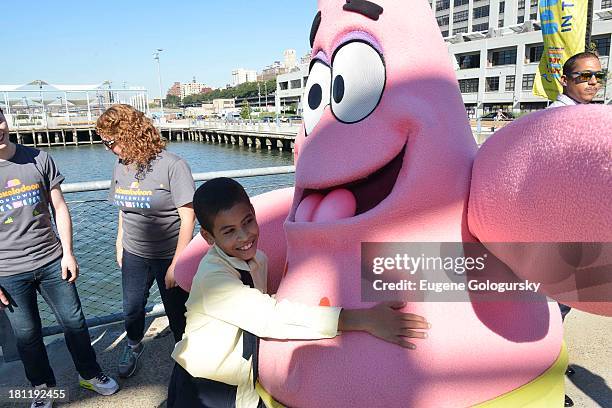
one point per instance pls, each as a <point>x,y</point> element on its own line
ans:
<point>563,31</point>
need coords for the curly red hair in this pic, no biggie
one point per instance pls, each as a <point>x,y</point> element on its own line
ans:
<point>140,141</point>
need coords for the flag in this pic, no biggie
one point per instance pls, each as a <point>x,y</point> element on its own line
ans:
<point>563,31</point>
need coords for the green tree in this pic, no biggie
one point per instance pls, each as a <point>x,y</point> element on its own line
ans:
<point>245,112</point>
<point>172,100</point>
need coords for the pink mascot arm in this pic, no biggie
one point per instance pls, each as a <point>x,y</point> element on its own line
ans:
<point>271,209</point>
<point>544,183</point>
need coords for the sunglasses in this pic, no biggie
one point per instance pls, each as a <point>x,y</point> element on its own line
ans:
<point>585,76</point>
<point>108,143</point>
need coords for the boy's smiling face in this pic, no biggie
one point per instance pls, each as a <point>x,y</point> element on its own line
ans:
<point>235,231</point>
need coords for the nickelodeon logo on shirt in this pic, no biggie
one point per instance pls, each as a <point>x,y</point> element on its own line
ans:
<point>133,197</point>
<point>16,195</point>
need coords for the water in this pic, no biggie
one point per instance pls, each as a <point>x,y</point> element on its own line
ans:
<point>95,220</point>
<point>94,162</point>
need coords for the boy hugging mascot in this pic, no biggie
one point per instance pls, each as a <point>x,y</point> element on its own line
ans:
<point>387,155</point>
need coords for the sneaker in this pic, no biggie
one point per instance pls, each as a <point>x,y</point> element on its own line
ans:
<point>101,383</point>
<point>41,402</point>
<point>127,365</point>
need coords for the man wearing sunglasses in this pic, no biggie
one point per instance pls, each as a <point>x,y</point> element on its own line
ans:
<point>582,78</point>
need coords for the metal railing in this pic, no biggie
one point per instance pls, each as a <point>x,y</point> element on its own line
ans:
<point>95,229</point>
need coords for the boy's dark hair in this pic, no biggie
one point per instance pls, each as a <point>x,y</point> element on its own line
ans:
<point>570,64</point>
<point>214,196</point>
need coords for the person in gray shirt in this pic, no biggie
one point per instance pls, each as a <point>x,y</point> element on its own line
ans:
<point>33,259</point>
<point>153,190</point>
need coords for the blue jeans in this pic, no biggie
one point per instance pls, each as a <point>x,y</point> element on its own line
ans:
<point>138,274</point>
<point>24,316</point>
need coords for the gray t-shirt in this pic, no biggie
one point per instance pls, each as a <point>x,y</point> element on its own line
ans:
<point>149,203</point>
<point>27,238</point>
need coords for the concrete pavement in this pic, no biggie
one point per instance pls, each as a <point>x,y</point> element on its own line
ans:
<point>587,337</point>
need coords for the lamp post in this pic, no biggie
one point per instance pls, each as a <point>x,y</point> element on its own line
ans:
<point>161,99</point>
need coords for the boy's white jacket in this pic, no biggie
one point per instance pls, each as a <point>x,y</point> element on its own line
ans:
<point>220,307</point>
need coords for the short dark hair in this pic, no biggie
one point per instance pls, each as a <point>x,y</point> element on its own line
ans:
<point>570,64</point>
<point>217,195</point>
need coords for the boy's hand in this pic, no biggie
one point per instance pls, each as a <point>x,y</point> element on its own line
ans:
<point>386,322</point>
<point>70,266</point>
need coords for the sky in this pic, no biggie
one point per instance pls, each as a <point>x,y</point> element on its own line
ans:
<point>88,42</point>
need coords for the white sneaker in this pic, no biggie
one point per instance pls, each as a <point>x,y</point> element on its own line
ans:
<point>41,402</point>
<point>101,383</point>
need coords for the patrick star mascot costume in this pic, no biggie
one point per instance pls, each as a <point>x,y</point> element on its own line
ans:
<point>387,155</point>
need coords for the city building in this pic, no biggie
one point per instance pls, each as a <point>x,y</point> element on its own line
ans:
<point>289,59</point>
<point>193,88</point>
<point>290,88</point>
<point>241,75</point>
<point>495,46</point>
<point>175,90</point>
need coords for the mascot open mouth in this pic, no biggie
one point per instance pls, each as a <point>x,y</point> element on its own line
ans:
<point>350,199</point>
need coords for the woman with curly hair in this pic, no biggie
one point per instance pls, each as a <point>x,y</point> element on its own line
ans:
<point>153,189</point>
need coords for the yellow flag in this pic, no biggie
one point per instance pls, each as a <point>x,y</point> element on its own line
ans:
<point>563,30</point>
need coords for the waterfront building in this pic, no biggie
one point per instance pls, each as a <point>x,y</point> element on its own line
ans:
<point>290,88</point>
<point>241,75</point>
<point>495,46</point>
<point>44,104</point>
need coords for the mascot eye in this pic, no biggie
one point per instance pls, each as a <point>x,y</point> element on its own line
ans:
<point>316,96</point>
<point>359,80</point>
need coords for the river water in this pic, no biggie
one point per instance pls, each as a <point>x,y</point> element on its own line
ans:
<point>94,218</point>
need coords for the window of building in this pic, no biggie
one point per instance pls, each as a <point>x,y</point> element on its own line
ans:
<point>296,83</point>
<point>460,16</point>
<point>509,82</point>
<point>458,3</point>
<point>283,85</point>
<point>468,61</point>
<point>533,16</point>
<point>492,84</point>
<point>460,30</point>
<point>606,4</point>
<point>442,20</point>
<point>520,19</point>
<point>481,12</point>
<point>443,5</point>
<point>500,23</point>
<point>528,82</point>
<point>480,27</point>
<point>445,33</point>
<point>503,57</point>
<point>502,6</point>
<point>468,85</point>
<point>534,3</point>
<point>521,4</point>
<point>603,45</point>
<point>535,53</point>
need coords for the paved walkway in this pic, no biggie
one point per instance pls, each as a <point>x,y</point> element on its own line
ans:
<point>587,337</point>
